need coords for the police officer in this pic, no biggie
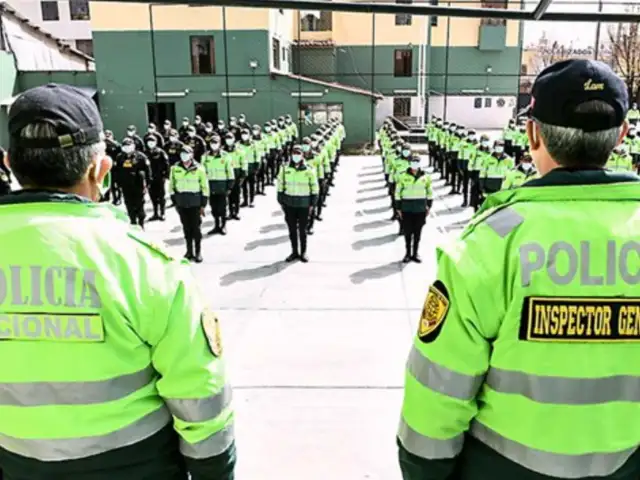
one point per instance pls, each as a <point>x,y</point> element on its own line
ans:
<point>219,168</point>
<point>249,155</point>
<point>134,175</point>
<point>239,173</point>
<point>184,129</point>
<point>414,198</point>
<point>5,183</point>
<point>173,147</point>
<point>524,172</point>
<point>234,128</point>
<point>196,142</point>
<point>297,194</point>
<point>159,162</point>
<point>133,135</point>
<point>199,126</point>
<point>521,363</point>
<point>189,190</point>
<point>634,114</point>
<point>221,129</point>
<point>166,130</point>
<point>109,339</point>
<point>261,147</point>
<point>209,132</point>
<point>113,149</point>
<point>242,122</point>
<point>152,131</point>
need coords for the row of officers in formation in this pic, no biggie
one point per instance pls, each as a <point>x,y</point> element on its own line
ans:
<point>225,168</point>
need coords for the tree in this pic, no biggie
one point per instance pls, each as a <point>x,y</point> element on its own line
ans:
<point>624,44</point>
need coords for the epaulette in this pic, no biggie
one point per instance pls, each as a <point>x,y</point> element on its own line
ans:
<point>159,248</point>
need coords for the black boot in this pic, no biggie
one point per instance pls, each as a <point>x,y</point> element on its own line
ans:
<point>155,213</point>
<point>223,226</point>
<point>407,249</point>
<point>162,211</point>
<point>416,245</point>
<point>292,257</point>
<point>197,257</point>
<point>189,254</point>
<point>216,228</point>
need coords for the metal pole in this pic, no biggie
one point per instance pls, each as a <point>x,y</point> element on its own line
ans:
<point>300,78</point>
<point>598,28</point>
<point>373,78</point>
<point>153,59</point>
<point>226,62</point>
<point>446,69</point>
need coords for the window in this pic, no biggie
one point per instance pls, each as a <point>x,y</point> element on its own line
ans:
<point>500,4</point>
<point>202,55</point>
<point>312,23</point>
<point>320,113</point>
<point>487,102</point>
<point>85,46</point>
<point>477,102</point>
<point>79,9</point>
<point>284,54</point>
<point>403,18</point>
<point>208,111</point>
<point>159,112</point>
<point>275,49</point>
<point>49,11</point>
<point>402,106</point>
<point>402,63</point>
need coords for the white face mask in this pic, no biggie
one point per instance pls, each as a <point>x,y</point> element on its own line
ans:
<point>208,129</point>
<point>232,123</point>
<point>499,150</point>
<point>229,141</point>
<point>198,121</point>
<point>415,165</point>
<point>256,133</point>
<point>151,144</point>
<point>128,149</point>
<point>152,130</point>
<point>245,137</point>
<point>220,126</point>
<point>485,144</point>
<point>173,139</point>
<point>185,157</point>
<point>306,148</point>
<point>314,144</point>
<point>267,129</point>
<point>167,126</point>
<point>296,158</point>
<point>406,153</point>
<point>527,166</point>
<point>242,119</point>
<point>185,124</point>
<point>191,134</point>
<point>131,133</point>
<point>215,146</point>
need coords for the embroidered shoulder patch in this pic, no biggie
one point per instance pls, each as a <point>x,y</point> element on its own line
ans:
<point>211,327</point>
<point>434,312</point>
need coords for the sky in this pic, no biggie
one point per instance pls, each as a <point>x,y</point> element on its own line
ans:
<point>566,33</point>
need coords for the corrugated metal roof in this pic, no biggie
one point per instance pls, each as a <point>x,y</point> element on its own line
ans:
<point>336,85</point>
<point>315,43</point>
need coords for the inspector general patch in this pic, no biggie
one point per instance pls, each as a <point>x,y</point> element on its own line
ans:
<point>434,312</point>
<point>211,327</point>
<point>580,319</point>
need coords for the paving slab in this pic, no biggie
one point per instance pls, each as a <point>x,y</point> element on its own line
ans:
<point>317,351</point>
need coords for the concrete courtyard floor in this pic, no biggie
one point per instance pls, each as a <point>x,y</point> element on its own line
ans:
<point>316,352</point>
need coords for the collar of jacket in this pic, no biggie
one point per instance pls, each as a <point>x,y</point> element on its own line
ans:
<point>190,168</point>
<point>581,176</point>
<point>41,196</point>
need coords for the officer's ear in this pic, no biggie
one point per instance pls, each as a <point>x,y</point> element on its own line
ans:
<point>623,132</point>
<point>533,133</point>
<point>99,169</point>
<point>5,160</point>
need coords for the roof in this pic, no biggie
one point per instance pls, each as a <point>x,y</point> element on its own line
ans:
<point>315,43</point>
<point>336,85</point>
<point>5,9</point>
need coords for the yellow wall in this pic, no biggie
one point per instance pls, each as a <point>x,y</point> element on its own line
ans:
<point>116,16</point>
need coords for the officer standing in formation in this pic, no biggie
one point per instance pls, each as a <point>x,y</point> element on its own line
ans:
<point>526,348</point>
<point>117,369</point>
<point>297,194</point>
<point>634,115</point>
<point>159,162</point>
<point>219,169</point>
<point>189,190</point>
<point>133,176</point>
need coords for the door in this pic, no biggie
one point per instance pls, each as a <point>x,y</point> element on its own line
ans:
<point>159,112</point>
<point>208,111</point>
<point>401,107</point>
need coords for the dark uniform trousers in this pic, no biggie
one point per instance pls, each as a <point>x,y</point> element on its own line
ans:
<point>134,202</point>
<point>271,172</point>
<point>249,185</point>
<point>191,220</point>
<point>157,192</point>
<point>463,179</point>
<point>412,223</point>
<point>218,202</point>
<point>234,196</point>
<point>297,219</point>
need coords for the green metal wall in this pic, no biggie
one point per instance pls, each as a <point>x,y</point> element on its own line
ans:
<point>28,80</point>
<point>128,80</point>
<point>8,77</point>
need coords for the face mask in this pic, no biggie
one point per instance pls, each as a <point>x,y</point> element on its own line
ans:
<point>527,166</point>
<point>405,153</point>
<point>128,148</point>
<point>131,133</point>
<point>472,138</point>
<point>242,119</point>
<point>152,130</point>
<point>233,123</point>
<point>415,165</point>
<point>167,126</point>
<point>173,139</point>
<point>314,144</point>
<point>151,144</point>
<point>485,144</point>
<point>256,133</point>
<point>267,129</point>
<point>185,124</point>
<point>208,129</point>
<point>499,150</point>
<point>185,157</point>
<point>198,121</point>
<point>191,134</point>
<point>399,150</point>
<point>245,137</point>
<point>220,126</point>
<point>229,141</point>
<point>306,148</point>
<point>281,124</point>
<point>215,146</point>
<point>296,158</point>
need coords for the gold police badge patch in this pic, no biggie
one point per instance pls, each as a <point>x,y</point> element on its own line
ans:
<point>434,312</point>
<point>211,327</point>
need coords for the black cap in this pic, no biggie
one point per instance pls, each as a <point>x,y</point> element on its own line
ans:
<point>564,86</point>
<point>71,112</point>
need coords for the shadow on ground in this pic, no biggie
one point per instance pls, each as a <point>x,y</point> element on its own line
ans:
<point>374,273</point>
<point>369,174</point>
<point>373,189</point>
<point>372,211</point>
<point>277,213</point>
<point>371,199</point>
<point>374,242</point>
<point>372,181</point>
<point>253,273</point>
<point>363,227</point>
<point>273,228</point>
<point>266,242</point>
<point>451,211</point>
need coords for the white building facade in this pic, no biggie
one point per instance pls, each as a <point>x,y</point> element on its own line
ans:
<point>68,20</point>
